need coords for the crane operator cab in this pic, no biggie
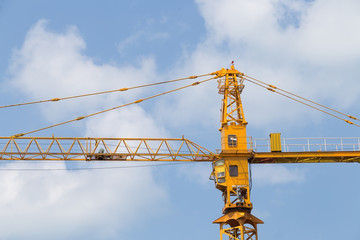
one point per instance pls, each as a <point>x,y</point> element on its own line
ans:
<point>230,178</point>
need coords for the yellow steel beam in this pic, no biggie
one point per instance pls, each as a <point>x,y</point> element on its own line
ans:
<point>305,157</point>
<point>105,149</point>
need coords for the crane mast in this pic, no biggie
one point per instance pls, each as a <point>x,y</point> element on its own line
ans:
<point>230,172</point>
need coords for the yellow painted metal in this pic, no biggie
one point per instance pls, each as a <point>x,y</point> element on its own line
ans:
<point>231,84</point>
<point>230,172</point>
<point>275,142</point>
<point>235,181</point>
<point>233,124</point>
<point>231,176</point>
<point>101,149</point>
<point>233,138</point>
<point>238,226</point>
<point>306,157</point>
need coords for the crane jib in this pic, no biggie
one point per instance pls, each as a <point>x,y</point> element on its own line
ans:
<point>109,149</point>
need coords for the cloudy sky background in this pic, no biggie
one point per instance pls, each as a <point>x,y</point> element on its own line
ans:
<point>64,48</point>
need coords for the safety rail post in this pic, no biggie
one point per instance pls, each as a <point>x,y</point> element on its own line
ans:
<point>304,147</point>
<point>250,144</point>
<point>308,143</point>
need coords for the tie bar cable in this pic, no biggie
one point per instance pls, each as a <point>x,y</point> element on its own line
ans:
<point>302,102</point>
<point>102,92</point>
<point>113,108</point>
<point>305,99</point>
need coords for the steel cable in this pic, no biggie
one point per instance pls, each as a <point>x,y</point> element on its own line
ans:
<point>113,108</point>
<point>308,100</point>
<point>103,92</point>
<point>297,100</point>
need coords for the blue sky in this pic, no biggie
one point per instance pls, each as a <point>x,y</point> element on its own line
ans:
<point>64,48</point>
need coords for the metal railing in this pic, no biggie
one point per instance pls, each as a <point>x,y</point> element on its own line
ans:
<point>309,144</point>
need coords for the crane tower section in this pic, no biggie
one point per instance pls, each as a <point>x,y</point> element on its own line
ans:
<point>230,171</point>
<point>233,124</point>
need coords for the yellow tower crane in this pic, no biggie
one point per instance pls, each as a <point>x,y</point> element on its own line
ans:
<point>230,166</point>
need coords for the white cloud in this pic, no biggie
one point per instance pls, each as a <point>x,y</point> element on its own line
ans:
<point>330,32</point>
<point>276,174</point>
<point>93,203</point>
<point>197,173</point>
<point>325,32</point>
<point>128,122</point>
<point>139,38</point>
<point>53,65</point>
<point>85,203</point>
<point>309,48</point>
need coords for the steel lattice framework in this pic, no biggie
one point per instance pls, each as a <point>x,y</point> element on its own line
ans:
<point>110,149</point>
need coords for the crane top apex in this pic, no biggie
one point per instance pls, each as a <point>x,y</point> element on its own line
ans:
<point>223,72</point>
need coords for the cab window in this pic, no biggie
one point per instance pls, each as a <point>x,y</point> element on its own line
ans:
<point>232,140</point>
<point>233,170</point>
<point>220,162</point>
